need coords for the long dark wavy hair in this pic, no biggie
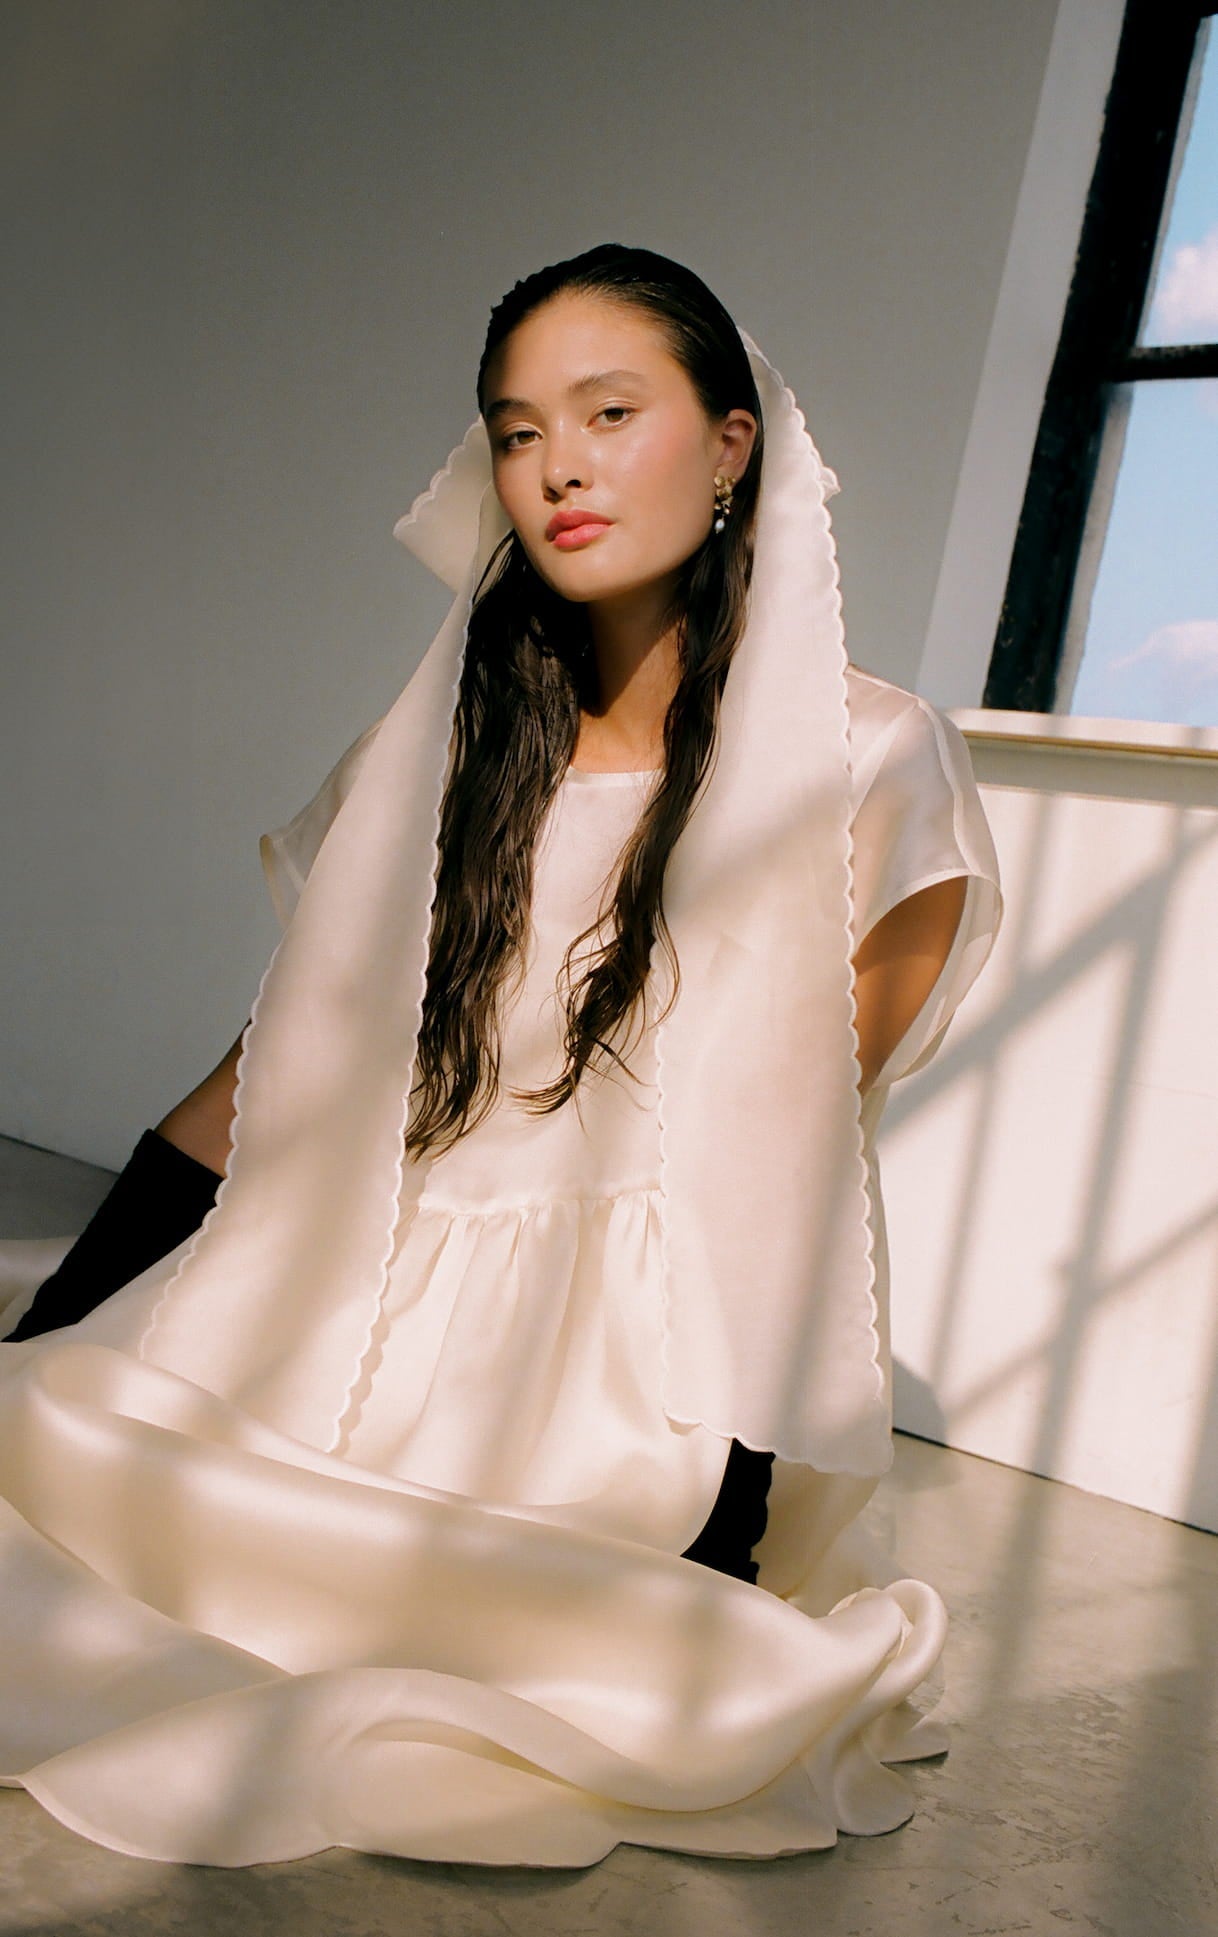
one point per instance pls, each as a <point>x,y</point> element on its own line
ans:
<point>527,672</point>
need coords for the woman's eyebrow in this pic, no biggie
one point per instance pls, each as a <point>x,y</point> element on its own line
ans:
<point>503,406</point>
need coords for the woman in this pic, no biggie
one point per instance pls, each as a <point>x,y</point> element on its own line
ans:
<point>550,1224</point>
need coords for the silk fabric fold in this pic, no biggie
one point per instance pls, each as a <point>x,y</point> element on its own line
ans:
<point>763,1170</point>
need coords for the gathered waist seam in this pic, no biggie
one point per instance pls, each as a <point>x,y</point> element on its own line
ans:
<point>427,1202</point>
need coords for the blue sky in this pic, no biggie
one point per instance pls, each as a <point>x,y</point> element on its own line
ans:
<point>1152,638</point>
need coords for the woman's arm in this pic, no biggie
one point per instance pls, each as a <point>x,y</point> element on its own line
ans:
<point>897,966</point>
<point>201,1124</point>
<point>162,1194</point>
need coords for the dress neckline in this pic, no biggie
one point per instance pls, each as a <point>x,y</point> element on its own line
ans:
<point>582,777</point>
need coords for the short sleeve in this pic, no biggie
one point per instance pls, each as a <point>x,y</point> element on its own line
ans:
<point>289,852</point>
<point>918,819</point>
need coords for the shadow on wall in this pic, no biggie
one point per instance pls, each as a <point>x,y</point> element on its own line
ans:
<point>914,1405</point>
<point>1060,1313</point>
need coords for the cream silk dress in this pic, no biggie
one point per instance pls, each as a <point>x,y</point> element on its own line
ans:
<point>467,1633</point>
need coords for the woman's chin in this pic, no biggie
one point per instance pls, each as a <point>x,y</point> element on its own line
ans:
<point>600,587</point>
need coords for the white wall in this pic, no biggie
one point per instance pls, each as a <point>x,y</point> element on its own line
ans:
<point>1050,1179</point>
<point>973,563</point>
<point>924,112</point>
<point>250,250</point>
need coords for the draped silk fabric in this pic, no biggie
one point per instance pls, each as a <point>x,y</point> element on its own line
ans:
<point>223,1639</point>
<point>757,1061</point>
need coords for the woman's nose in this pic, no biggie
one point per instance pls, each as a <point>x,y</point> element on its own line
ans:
<point>557,483</point>
<point>564,470</point>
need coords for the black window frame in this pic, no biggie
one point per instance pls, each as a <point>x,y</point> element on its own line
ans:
<point>1098,349</point>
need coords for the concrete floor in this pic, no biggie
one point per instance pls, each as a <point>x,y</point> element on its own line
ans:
<point>1079,1794</point>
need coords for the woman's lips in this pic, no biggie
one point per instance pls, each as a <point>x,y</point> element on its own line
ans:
<point>576,536</point>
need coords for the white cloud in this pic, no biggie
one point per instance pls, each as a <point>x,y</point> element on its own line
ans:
<point>1186,306</point>
<point>1188,650</point>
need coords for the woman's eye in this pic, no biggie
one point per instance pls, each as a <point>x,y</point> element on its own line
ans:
<point>518,440</point>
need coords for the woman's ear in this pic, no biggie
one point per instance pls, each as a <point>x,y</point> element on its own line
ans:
<point>737,435</point>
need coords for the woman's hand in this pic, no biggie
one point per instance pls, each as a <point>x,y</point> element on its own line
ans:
<point>201,1124</point>
<point>897,966</point>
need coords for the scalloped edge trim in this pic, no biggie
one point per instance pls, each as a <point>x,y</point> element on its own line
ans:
<point>187,1257</point>
<point>804,1455</point>
<point>437,482</point>
<point>846,859</point>
<point>352,1398</point>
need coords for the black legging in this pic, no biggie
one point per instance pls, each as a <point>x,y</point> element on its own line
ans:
<point>737,1520</point>
<point>162,1195</point>
<point>156,1201</point>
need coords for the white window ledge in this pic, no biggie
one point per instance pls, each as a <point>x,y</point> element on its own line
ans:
<point>1151,739</point>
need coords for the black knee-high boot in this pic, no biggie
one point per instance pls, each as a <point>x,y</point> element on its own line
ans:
<point>158,1198</point>
<point>738,1518</point>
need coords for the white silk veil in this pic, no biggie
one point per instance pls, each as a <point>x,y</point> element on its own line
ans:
<point>770,1314</point>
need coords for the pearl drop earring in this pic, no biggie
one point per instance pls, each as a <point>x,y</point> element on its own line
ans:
<point>724,487</point>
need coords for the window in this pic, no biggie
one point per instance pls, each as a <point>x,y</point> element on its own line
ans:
<point>1111,606</point>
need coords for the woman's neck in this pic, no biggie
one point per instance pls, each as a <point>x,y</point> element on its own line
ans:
<point>635,654</point>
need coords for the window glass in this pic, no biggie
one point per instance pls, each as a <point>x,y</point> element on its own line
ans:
<point>1183,306</point>
<point>1150,648</point>
<point>1141,639</point>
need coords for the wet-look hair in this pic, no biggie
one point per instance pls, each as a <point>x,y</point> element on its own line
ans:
<point>528,669</point>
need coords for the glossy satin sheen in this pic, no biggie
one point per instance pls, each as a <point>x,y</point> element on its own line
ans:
<point>470,1634</point>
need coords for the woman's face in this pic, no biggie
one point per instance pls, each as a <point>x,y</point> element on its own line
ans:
<point>588,411</point>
